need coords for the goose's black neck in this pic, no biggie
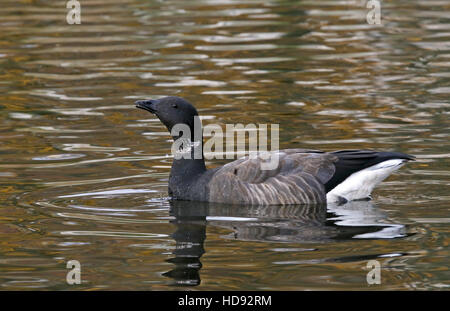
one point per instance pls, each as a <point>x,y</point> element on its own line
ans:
<point>188,150</point>
<point>188,174</point>
<point>189,177</point>
<point>190,163</point>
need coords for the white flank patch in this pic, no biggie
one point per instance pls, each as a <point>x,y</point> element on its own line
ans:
<point>359,185</point>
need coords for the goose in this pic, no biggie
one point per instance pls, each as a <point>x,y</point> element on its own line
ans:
<point>302,176</point>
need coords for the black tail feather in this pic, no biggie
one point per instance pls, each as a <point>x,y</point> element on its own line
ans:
<point>351,161</point>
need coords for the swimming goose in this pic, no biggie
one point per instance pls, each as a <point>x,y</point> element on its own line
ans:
<point>301,177</point>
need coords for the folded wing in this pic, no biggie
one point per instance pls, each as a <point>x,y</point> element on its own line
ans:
<point>298,178</point>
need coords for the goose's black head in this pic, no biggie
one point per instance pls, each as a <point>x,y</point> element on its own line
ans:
<point>170,110</point>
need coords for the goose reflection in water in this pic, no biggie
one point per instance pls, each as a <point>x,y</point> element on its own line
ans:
<point>297,224</point>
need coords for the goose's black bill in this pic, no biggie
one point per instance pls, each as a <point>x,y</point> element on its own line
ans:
<point>148,105</point>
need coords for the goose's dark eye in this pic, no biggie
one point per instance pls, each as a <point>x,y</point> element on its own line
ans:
<point>174,106</point>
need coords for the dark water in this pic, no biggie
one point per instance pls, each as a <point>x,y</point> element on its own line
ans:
<point>83,174</point>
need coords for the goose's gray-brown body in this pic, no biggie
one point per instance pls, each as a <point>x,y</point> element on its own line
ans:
<point>301,176</point>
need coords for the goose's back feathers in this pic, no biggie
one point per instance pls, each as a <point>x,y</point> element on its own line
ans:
<point>299,178</point>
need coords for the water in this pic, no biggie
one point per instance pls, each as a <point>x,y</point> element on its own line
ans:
<point>83,173</point>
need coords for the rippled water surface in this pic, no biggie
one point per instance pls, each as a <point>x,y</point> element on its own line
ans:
<point>83,174</point>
